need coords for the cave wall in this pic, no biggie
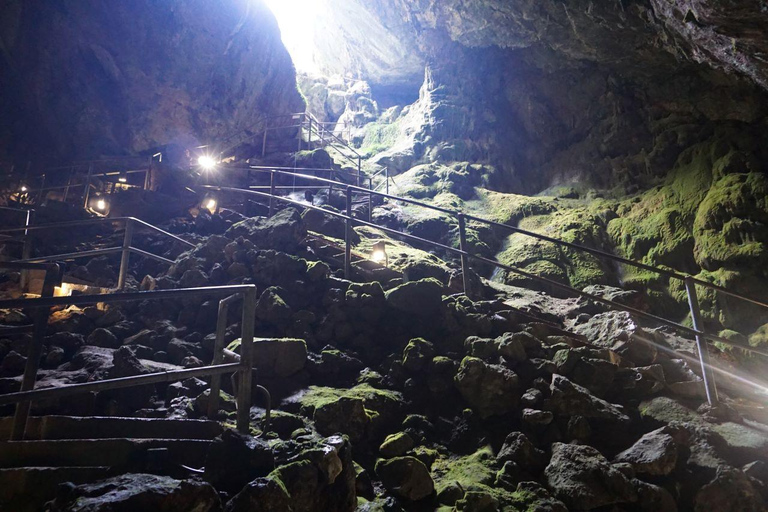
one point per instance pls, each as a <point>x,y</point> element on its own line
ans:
<point>91,77</point>
<point>606,94</point>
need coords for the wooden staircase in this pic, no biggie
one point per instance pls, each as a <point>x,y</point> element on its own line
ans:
<point>60,449</point>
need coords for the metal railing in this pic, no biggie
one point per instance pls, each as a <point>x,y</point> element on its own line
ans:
<point>698,331</point>
<point>125,250</point>
<point>244,368</point>
<point>83,177</point>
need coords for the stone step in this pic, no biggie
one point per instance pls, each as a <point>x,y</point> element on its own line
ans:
<point>100,452</point>
<point>26,489</point>
<point>100,427</point>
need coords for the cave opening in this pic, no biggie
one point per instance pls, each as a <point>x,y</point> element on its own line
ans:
<point>297,21</point>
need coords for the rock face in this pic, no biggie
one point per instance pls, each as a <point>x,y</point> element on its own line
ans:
<point>94,78</point>
<point>583,479</point>
<point>139,491</point>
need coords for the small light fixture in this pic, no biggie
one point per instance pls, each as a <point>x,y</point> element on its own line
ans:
<point>210,203</point>
<point>206,162</point>
<point>123,178</point>
<point>101,204</point>
<point>379,253</point>
<point>65,290</point>
<point>23,188</point>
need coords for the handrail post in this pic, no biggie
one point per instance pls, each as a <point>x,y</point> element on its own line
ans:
<point>701,343</point>
<point>264,143</point>
<point>370,206</point>
<point>246,361</point>
<point>463,247</point>
<point>52,276</point>
<point>218,356</point>
<point>309,144</point>
<point>87,189</point>
<point>359,169</point>
<point>348,238</point>
<point>26,250</point>
<point>42,189</point>
<point>272,193</point>
<point>387,180</point>
<point>126,254</point>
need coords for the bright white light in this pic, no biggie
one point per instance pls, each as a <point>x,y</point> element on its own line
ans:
<point>297,27</point>
<point>379,256</point>
<point>207,162</point>
<point>122,180</point>
<point>24,188</point>
<point>101,204</point>
<point>211,205</point>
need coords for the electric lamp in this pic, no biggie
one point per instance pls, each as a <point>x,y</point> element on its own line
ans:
<point>379,253</point>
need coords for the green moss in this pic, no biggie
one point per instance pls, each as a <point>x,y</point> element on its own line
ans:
<point>553,261</point>
<point>372,398</point>
<point>399,254</point>
<point>476,472</point>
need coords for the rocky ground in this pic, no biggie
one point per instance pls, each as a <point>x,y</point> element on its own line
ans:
<point>404,395</point>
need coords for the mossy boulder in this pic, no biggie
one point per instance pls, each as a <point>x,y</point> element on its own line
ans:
<point>421,298</point>
<point>730,225</point>
<point>406,477</point>
<point>552,261</point>
<point>490,389</point>
<point>417,354</point>
<point>284,231</point>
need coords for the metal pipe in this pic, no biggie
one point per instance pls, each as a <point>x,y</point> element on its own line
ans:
<point>152,256</point>
<point>464,260</point>
<point>246,360</point>
<point>119,383</point>
<point>701,344</point>
<point>74,255</point>
<point>264,144</point>
<point>348,237</point>
<point>271,194</point>
<point>126,255</point>
<point>52,279</point>
<point>85,300</point>
<point>87,189</point>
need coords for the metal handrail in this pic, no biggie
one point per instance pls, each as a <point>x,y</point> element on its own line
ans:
<point>702,337</point>
<point>27,394</point>
<point>126,249</point>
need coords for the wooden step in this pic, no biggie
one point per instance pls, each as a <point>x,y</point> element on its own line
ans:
<point>26,489</point>
<point>99,452</point>
<point>100,427</point>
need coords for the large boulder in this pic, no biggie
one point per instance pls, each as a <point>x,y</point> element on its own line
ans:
<point>284,231</point>
<point>654,454</point>
<point>279,357</point>
<point>570,399</point>
<point>235,459</point>
<point>490,389</point>
<point>131,492</point>
<point>583,479</point>
<point>417,297</point>
<point>730,490</point>
<point>406,477</point>
<point>620,332</point>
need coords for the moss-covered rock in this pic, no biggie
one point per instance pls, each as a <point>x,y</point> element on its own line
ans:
<point>406,477</point>
<point>490,389</point>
